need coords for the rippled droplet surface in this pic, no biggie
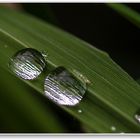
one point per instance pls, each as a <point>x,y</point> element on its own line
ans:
<point>27,63</point>
<point>63,88</point>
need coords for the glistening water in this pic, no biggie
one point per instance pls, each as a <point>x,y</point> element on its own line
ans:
<point>63,88</point>
<point>27,63</point>
<point>137,116</point>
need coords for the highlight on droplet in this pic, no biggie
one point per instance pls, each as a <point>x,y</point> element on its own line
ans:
<point>27,63</point>
<point>63,88</point>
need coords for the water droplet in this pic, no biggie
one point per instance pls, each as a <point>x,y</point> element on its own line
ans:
<point>79,111</point>
<point>27,63</point>
<point>44,54</point>
<point>113,128</point>
<point>137,117</point>
<point>81,76</point>
<point>63,88</point>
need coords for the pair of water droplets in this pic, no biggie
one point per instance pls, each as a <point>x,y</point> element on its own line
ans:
<point>60,85</point>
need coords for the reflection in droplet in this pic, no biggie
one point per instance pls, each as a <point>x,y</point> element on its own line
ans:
<point>27,63</point>
<point>113,128</point>
<point>63,88</point>
<point>79,111</point>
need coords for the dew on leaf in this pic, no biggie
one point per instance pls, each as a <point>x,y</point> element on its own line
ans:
<point>79,111</point>
<point>64,88</point>
<point>27,63</point>
<point>137,117</point>
<point>113,128</point>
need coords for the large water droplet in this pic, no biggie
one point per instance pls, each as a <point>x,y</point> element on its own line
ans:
<point>27,63</point>
<point>63,88</point>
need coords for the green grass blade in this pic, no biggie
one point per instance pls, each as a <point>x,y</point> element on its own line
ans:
<point>126,12</point>
<point>112,98</point>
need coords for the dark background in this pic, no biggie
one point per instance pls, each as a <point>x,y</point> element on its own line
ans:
<point>99,25</point>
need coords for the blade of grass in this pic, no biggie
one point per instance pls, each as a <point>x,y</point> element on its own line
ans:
<point>126,12</point>
<point>96,112</point>
<point>112,98</point>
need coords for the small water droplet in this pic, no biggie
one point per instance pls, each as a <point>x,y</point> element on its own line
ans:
<point>63,88</point>
<point>81,76</point>
<point>44,54</point>
<point>137,117</point>
<point>79,111</point>
<point>113,128</point>
<point>27,63</point>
